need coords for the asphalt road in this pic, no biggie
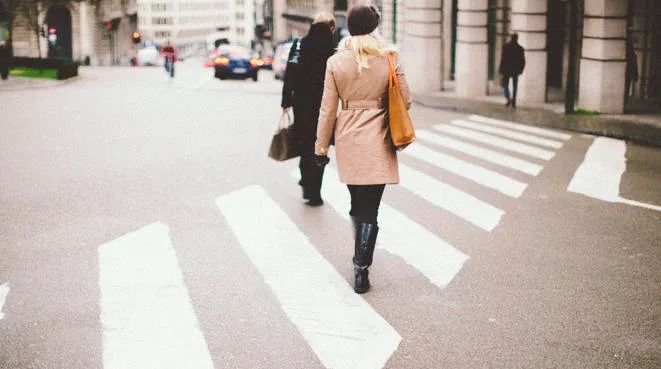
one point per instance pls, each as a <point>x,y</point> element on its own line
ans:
<point>143,226</point>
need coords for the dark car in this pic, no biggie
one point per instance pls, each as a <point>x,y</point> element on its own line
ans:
<point>268,62</point>
<point>236,62</point>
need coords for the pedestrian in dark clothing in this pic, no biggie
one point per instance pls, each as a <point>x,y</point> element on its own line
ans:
<point>303,88</point>
<point>512,63</point>
<point>4,61</point>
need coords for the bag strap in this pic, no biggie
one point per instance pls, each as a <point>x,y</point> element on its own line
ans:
<point>284,116</point>
<point>392,76</point>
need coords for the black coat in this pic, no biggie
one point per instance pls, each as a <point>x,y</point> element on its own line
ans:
<point>513,60</point>
<point>304,83</point>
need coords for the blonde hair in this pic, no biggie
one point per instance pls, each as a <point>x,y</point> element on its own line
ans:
<point>324,17</point>
<point>365,46</point>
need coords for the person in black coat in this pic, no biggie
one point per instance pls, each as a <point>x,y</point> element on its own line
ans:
<point>303,89</point>
<point>512,63</point>
<point>4,60</point>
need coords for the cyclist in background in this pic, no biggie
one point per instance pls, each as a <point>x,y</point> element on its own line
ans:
<point>169,52</point>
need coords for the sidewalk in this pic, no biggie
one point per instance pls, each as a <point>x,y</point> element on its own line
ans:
<point>639,128</point>
<point>14,83</point>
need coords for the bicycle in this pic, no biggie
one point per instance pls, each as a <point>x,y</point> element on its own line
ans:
<point>169,64</point>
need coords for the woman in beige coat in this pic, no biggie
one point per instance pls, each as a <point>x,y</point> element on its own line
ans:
<point>357,76</point>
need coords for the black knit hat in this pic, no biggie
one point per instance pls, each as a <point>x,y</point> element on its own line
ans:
<point>363,19</point>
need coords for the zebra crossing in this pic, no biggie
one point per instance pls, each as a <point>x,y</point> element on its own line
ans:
<point>146,313</point>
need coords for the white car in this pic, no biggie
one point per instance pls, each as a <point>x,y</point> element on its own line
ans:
<point>280,59</point>
<point>148,56</point>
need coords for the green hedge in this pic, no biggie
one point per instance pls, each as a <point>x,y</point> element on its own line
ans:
<point>65,68</point>
<point>33,73</point>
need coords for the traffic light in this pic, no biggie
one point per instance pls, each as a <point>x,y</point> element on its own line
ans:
<point>112,24</point>
<point>136,37</point>
<point>52,35</point>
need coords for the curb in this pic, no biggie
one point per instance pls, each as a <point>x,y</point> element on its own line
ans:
<point>28,83</point>
<point>637,132</point>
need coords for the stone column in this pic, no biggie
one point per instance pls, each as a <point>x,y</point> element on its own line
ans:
<point>472,59</point>
<point>280,32</point>
<point>529,21</point>
<point>85,38</point>
<point>422,52</point>
<point>447,40</point>
<point>503,17</point>
<point>603,59</point>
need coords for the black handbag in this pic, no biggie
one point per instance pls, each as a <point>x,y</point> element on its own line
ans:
<point>284,145</point>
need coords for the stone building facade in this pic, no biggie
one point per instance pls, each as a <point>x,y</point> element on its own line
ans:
<point>456,45</point>
<point>100,35</point>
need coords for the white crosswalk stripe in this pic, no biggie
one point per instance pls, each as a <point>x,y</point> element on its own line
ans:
<point>460,203</point>
<point>4,291</point>
<point>520,127</point>
<point>331,317</point>
<point>477,174</point>
<point>479,152</point>
<point>508,133</point>
<point>147,316</point>
<point>495,141</point>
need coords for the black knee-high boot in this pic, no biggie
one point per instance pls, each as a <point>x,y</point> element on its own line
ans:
<point>365,241</point>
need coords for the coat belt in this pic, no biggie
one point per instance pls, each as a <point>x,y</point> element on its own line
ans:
<point>362,104</point>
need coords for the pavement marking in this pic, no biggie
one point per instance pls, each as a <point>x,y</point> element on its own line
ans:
<point>432,256</point>
<point>472,172</point>
<point>342,329</point>
<point>4,291</point>
<point>509,134</point>
<point>487,155</point>
<point>520,127</point>
<point>146,312</point>
<point>501,143</point>
<point>459,203</point>
<point>600,173</point>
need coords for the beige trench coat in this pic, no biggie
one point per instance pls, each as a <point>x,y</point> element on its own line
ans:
<point>363,149</point>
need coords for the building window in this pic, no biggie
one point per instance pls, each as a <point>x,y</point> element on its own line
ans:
<point>160,7</point>
<point>161,20</point>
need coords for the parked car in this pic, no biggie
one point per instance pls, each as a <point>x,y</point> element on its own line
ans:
<point>280,58</point>
<point>148,56</point>
<point>235,62</point>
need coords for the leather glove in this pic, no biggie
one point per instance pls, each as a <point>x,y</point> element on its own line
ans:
<point>321,160</point>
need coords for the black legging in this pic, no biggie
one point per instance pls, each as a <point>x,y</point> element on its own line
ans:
<point>365,201</point>
<point>305,130</point>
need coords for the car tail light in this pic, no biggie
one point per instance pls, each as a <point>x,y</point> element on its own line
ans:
<point>222,61</point>
<point>256,62</point>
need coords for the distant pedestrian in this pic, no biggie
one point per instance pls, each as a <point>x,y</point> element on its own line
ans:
<point>357,76</point>
<point>511,66</point>
<point>303,87</point>
<point>4,60</point>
